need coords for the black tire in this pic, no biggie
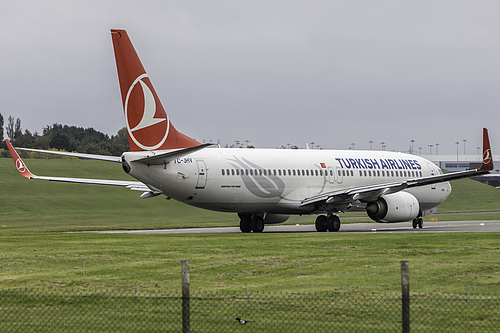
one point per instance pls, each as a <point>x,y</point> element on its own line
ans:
<point>245,224</point>
<point>333,223</point>
<point>321,223</point>
<point>257,224</point>
<point>420,223</point>
<point>414,223</point>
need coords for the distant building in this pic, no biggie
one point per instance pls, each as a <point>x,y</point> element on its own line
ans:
<point>450,163</point>
<point>463,162</point>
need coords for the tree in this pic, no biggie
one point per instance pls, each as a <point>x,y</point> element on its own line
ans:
<point>2,144</point>
<point>13,128</point>
<point>1,127</point>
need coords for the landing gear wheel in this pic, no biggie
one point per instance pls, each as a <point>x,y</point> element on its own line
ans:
<point>257,224</point>
<point>321,223</point>
<point>418,222</point>
<point>333,223</point>
<point>245,223</point>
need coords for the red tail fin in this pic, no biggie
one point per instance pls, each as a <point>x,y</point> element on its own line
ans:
<point>148,125</point>
<point>487,156</point>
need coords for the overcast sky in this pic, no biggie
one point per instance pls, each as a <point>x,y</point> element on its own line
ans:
<point>271,72</point>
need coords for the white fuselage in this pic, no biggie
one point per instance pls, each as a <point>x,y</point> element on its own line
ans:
<point>276,181</point>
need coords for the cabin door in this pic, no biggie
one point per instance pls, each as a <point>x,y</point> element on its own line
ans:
<point>202,174</point>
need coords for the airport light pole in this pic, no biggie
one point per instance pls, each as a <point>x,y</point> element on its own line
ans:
<point>457,143</point>
<point>464,145</point>
<point>412,142</point>
<point>383,145</point>
<point>371,143</point>
<point>430,149</point>
<point>437,146</point>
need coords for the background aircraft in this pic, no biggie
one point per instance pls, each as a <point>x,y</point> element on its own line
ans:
<point>262,186</point>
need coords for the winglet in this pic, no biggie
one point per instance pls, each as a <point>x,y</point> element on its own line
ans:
<point>21,167</point>
<point>487,155</point>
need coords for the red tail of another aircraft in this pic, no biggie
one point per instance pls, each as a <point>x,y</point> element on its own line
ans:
<point>148,125</point>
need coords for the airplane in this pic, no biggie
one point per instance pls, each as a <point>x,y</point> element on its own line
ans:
<point>263,186</point>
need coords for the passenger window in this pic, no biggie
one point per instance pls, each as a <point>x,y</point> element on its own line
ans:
<point>294,172</point>
<point>223,172</point>
<point>369,173</point>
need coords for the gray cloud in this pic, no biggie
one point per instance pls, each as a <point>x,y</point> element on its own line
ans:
<point>272,72</point>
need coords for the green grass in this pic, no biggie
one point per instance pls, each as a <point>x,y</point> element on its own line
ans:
<point>50,206</point>
<point>265,262</point>
<point>34,205</point>
<point>81,273</point>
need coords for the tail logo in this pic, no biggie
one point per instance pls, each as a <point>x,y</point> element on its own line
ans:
<point>487,156</point>
<point>147,124</point>
<point>20,165</point>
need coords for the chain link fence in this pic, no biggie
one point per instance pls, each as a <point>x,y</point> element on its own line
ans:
<point>85,310</point>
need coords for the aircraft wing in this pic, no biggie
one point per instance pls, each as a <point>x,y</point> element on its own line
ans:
<point>23,170</point>
<point>79,155</point>
<point>372,192</point>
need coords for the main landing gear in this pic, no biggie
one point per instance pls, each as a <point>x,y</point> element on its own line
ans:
<point>251,222</point>
<point>418,222</point>
<point>328,222</point>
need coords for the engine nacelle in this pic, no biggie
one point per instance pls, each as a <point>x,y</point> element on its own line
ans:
<point>276,218</point>
<point>396,207</point>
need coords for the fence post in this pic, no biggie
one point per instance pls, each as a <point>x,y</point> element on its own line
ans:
<point>185,297</point>
<point>405,295</point>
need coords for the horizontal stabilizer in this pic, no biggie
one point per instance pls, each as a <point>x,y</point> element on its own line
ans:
<point>167,157</point>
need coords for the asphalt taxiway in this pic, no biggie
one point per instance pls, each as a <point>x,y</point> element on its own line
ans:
<point>403,227</point>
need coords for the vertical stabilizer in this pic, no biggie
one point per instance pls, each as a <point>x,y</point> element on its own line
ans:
<point>487,155</point>
<point>148,125</point>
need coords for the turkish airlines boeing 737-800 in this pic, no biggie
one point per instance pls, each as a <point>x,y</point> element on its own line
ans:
<point>263,186</point>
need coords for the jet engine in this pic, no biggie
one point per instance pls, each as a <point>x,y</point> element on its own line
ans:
<point>276,218</point>
<point>396,207</point>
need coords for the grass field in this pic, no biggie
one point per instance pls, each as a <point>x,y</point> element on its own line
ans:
<point>48,206</point>
<point>37,251</point>
<point>32,247</point>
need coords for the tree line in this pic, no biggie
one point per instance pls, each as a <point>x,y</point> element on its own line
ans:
<point>64,137</point>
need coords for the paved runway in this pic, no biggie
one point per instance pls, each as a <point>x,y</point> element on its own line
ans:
<point>450,226</point>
